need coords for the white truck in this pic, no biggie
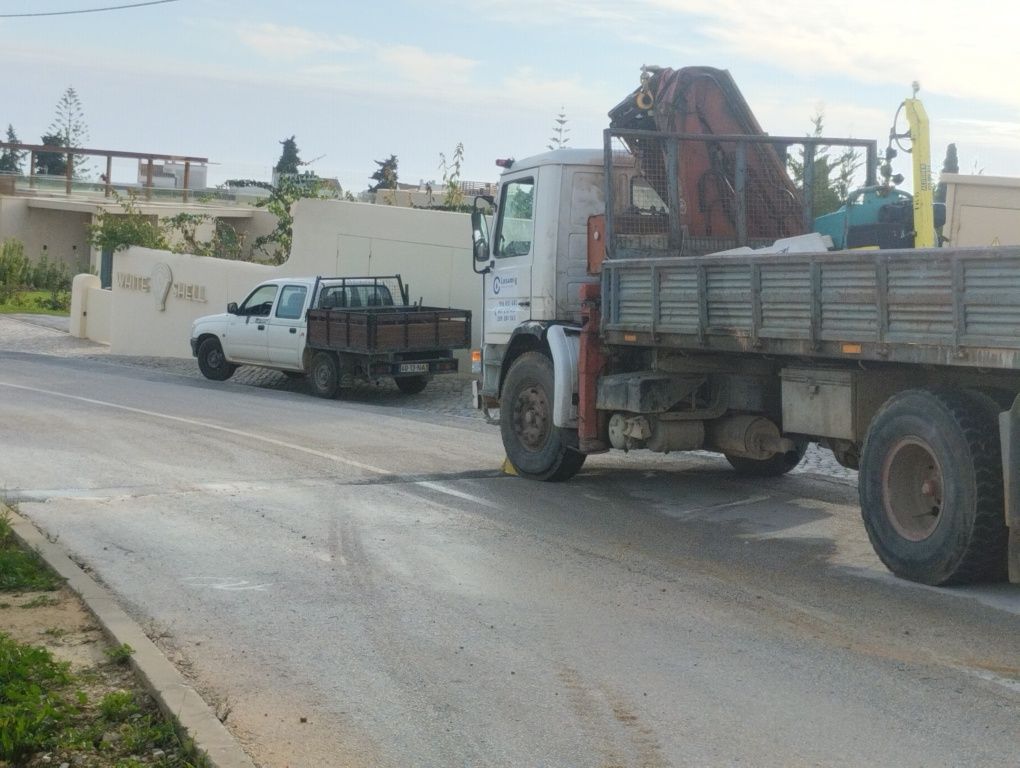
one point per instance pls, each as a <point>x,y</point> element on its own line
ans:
<point>619,315</point>
<point>335,330</point>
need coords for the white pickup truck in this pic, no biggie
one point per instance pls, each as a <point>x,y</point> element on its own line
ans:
<point>335,330</point>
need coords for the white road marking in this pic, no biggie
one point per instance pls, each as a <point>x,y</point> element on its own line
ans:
<point>206,425</point>
<point>439,488</point>
<point>227,583</point>
<point>683,514</point>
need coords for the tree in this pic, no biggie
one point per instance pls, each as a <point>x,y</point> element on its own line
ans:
<point>51,163</point>
<point>69,125</point>
<point>11,159</point>
<point>453,199</point>
<point>950,165</point>
<point>117,231</point>
<point>828,192</point>
<point>289,161</point>
<point>385,176</point>
<point>288,190</point>
<point>559,138</point>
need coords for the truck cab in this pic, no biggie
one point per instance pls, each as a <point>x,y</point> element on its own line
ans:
<point>536,259</point>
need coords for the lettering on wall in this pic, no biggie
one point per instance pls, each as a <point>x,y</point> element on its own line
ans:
<point>162,285</point>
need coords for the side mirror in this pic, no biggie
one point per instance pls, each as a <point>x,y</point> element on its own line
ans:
<point>939,215</point>
<point>479,234</point>
<point>232,308</point>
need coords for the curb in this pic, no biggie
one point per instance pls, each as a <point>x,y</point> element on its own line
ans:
<point>167,686</point>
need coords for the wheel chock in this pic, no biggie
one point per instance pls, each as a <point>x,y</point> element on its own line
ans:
<point>508,468</point>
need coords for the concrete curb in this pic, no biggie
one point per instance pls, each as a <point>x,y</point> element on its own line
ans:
<point>168,687</point>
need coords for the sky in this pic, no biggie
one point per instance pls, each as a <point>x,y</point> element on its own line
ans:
<point>358,81</point>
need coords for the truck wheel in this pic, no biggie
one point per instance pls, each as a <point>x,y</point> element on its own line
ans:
<point>775,466</point>
<point>537,449</point>
<point>931,488</point>
<point>324,375</point>
<point>211,361</point>
<point>411,385</point>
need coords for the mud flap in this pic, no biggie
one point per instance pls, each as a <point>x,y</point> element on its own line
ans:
<point>1009,434</point>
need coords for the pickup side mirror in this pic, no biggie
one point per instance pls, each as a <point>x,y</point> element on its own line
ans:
<point>232,308</point>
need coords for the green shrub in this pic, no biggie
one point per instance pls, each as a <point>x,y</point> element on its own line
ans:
<point>14,268</point>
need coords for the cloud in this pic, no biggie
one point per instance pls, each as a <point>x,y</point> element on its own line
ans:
<point>961,52</point>
<point>981,133</point>
<point>423,68</point>
<point>280,42</point>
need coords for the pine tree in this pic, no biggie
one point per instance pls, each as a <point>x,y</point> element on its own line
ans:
<point>385,176</point>
<point>559,138</point>
<point>11,159</point>
<point>950,165</point>
<point>51,163</point>
<point>69,125</point>
<point>289,161</point>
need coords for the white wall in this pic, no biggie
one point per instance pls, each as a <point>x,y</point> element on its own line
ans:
<point>982,210</point>
<point>430,249</point>
<point>194,286</point>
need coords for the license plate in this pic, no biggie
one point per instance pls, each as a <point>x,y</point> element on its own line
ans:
<point>414,367</point>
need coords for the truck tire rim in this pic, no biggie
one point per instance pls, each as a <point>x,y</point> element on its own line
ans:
<point>531,418</point>
<point>912,489</point>
<point>214,358</point>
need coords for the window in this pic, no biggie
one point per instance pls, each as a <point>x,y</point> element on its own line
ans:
<point>516,219</point>
<point>292,301</point>
<point>260,302</point>
<point>643,198</point>
<point>355,296</point>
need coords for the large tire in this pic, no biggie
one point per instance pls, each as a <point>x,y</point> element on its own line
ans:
<point>324,375</point>
<point>931,488</point>
<point>411,385</point>
<point>537,449</point>
<point>775,466</point>
<point>212,362</point>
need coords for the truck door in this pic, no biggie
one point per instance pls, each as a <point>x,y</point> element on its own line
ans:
<point>246,338</point>
<point>286,328</point>
<point>508,285</point>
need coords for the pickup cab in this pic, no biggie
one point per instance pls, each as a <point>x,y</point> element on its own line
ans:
<point>335,330</point>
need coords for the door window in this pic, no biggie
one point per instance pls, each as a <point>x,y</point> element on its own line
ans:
<point>260,302</point>
<point>292,301</point>
<point>516,226</point>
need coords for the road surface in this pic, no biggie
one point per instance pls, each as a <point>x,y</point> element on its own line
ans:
<point>358,585</point>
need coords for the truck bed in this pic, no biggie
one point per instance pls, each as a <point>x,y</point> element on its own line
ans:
<point>383,330</point>
<point>947,306</point>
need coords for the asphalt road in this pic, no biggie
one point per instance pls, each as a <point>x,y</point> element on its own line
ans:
<point>358,585</point>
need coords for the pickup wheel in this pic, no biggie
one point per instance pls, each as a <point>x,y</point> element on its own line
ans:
<point>324,375</point>
<point>931,488</point>
<point>775,466</point>
<point>411,385</point>
<point>537,449</point>
<point>211,361</point>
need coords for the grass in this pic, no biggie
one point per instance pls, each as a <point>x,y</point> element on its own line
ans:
<point>31,302</point>
<point>84,717</point>
<point>22,570</point>
<point>43,710</point>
